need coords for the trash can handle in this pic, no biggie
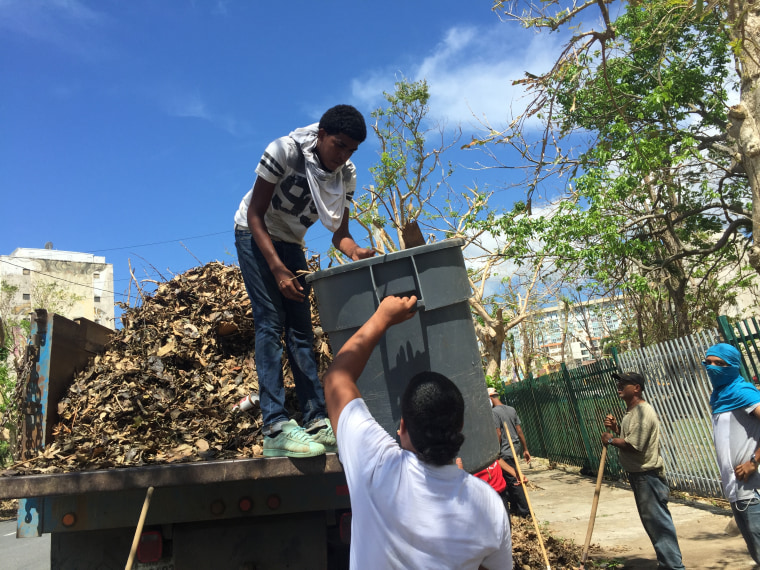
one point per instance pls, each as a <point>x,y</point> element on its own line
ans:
<point>418,291</point>
<point>420,301</point>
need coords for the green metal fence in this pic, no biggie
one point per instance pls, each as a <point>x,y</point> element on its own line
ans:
<point>744,335</point>
<point>679,390</point>
<point>562,414</point>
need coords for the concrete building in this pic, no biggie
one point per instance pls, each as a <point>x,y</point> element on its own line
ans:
<point>69,283</point>
<point>571,333</point>
<point>583,325</point>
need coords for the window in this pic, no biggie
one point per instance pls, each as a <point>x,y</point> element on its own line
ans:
<point>96,275</point>
<point>97,299</point>
<point>26,272</point>
<point>26,297</point>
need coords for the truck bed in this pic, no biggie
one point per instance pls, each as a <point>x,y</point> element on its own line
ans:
<point>166,475</point>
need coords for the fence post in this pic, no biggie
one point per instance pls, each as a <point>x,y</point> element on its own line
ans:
<point>576,407</point>
<point>727,332</point>
<point>540,417</point>
<point>616,357</point>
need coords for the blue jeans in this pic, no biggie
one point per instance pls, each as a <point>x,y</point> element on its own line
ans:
<point>651,494</point>
<point>747,516</point>
<point>274,315</point>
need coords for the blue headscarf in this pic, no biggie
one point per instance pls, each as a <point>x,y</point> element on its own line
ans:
<point>730,390</point>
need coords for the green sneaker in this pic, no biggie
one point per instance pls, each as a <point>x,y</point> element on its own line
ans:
<point>292,441</point>
<point>326,437</point>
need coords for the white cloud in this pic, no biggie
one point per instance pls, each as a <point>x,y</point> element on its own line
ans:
<point>470,73</point>
<point>475,254</point>
<point>186,104</point>
<point>62,23</point>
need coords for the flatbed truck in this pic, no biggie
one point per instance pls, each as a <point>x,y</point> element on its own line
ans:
<point>255,513</point>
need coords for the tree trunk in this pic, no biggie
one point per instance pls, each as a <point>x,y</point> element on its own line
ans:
<point>492,337</point>
<point>744,21</point>
<point>492,349</point>
<point>527,348</point>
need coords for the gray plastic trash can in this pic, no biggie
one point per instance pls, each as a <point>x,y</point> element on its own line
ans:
<point>440,337</point>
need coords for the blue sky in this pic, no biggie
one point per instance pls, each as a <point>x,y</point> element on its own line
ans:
<point>129,127</point>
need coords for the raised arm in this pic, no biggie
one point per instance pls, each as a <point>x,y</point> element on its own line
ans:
<point>348,364</point>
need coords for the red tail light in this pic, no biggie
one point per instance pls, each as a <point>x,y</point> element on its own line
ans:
<point>150,548</point>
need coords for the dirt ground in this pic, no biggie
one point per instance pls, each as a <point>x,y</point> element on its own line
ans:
<point>562,502</point>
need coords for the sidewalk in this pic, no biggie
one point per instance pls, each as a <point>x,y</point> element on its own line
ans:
<point>563,501</point>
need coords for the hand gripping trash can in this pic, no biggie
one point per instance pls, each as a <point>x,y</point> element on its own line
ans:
<point>440,337</point>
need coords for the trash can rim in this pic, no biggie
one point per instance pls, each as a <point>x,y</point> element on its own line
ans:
<point>377,259</point>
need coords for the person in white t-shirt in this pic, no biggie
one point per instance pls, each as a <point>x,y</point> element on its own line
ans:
<point>735,405</point>
<point>411,506</point>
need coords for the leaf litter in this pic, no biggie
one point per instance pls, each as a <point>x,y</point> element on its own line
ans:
<point>163,390</point>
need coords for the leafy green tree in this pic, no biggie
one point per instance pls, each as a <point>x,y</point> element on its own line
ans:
<point>409,172</point>
<point>52,297</point>
<point>743,21</point>
<point>659,191</point>
<point>410,179</point>
<point>7,376</point>
<point>5,446</point>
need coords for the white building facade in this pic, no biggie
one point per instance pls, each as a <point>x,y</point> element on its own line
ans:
<point>572,334</point>
<point>75,285</point>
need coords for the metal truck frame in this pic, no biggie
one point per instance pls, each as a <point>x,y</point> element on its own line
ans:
<point>245,513</point>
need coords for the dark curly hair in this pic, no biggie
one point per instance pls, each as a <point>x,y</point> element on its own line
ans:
<point>433,411</point>
<point>344,119</point>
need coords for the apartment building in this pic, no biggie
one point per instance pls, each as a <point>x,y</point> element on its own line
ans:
<point>571,333</point>
<point>69,283</point>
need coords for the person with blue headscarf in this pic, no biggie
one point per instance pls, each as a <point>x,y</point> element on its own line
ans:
<point>736,433</point>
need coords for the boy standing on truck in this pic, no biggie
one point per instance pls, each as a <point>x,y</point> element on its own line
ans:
<point>412,507</point>
<point>301,178</point>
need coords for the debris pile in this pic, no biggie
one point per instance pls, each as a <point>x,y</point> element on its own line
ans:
<point>527,553</point>
<point>163,390</point>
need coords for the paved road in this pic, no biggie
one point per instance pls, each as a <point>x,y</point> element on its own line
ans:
<point>23,554</point>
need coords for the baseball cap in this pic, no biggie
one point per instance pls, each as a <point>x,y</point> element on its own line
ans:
<point>492,392</point>
<point>630,378</point>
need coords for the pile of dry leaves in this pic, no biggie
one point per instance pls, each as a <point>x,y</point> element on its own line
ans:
<point>163,390</point>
